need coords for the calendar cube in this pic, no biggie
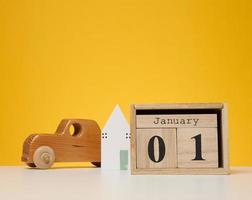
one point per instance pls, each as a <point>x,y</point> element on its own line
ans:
<point>156,148</point>
<point>197,147</point>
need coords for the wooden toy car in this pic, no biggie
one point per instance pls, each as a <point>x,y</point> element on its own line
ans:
<point>83,145</point>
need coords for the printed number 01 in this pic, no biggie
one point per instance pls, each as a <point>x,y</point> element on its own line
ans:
<point>161,149</point>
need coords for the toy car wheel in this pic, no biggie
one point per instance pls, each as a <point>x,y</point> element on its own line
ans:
<point>97,164</point>
<point>44,157</point>
<point>31,164</point>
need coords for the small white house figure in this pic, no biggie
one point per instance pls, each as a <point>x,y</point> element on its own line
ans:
<point>115,145</point>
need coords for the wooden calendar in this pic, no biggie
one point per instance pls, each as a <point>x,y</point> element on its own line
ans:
<point>179,139</point>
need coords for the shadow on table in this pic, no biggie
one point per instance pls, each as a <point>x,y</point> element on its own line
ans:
<point>66,166</point>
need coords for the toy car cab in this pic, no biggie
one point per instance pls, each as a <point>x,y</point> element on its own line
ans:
<point>83,145</point>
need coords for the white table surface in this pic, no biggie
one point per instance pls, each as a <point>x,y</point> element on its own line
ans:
<point>93,183</point>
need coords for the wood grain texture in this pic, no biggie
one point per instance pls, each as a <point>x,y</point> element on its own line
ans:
<point>181,171</point>
<point>83,146</point>
<point>133,153</point>
<point>187,150</point>
<point>225,138</point>
<point>169,138</point>
<point>176,121</point>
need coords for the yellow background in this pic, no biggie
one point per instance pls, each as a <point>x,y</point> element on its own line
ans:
<point>78,59</point>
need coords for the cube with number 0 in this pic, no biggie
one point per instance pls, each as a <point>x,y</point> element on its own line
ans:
<point>158,148</point>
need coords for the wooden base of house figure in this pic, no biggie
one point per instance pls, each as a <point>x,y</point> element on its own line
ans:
<point>115,145</point>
